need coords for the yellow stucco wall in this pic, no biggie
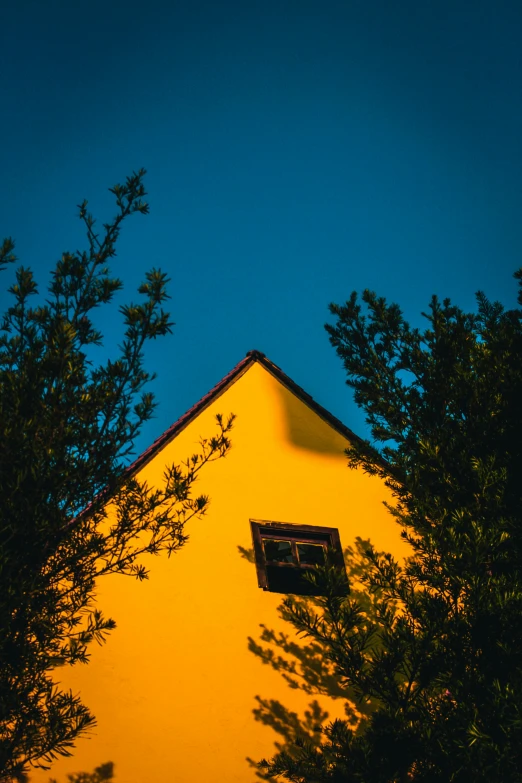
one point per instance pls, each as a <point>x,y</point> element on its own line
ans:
<point>174,687</point>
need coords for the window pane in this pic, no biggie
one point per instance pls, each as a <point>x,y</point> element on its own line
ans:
<point>311,554</point>
<point>289,581</point>
<point>278,551</point>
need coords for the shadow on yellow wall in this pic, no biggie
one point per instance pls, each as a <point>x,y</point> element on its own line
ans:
<point>305,667</point>
<point>302,430</point>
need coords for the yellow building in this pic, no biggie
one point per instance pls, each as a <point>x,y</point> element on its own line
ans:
<point>189,686</point>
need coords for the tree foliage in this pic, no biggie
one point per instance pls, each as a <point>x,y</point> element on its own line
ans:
<point>67,424</point>
<point>102,774</point>
<point>438,661</point>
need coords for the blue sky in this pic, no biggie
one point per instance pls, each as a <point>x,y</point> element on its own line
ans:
<point>295,151</point>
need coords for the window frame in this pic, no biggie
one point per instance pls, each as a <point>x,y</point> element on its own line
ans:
<point>296,534</point>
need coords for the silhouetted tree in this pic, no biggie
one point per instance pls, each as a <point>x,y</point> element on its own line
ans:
<point>66,425</point>
<point>440,663</point>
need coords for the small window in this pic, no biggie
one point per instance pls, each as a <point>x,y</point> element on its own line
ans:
<point>284,553</point>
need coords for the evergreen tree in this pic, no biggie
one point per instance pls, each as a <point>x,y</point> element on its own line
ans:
<point>438,661</point>
<point>67,423</point>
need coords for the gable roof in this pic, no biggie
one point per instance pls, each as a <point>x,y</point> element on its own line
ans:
<point>230,378</point>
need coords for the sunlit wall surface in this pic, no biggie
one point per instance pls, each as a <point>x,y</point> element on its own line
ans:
<point>184,689</point>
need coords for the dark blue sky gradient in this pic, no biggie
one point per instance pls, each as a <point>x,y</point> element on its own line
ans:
<point>295,151</point>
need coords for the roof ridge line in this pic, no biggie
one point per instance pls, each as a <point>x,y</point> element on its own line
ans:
<point>235,373</point>
<point>187,417</point>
